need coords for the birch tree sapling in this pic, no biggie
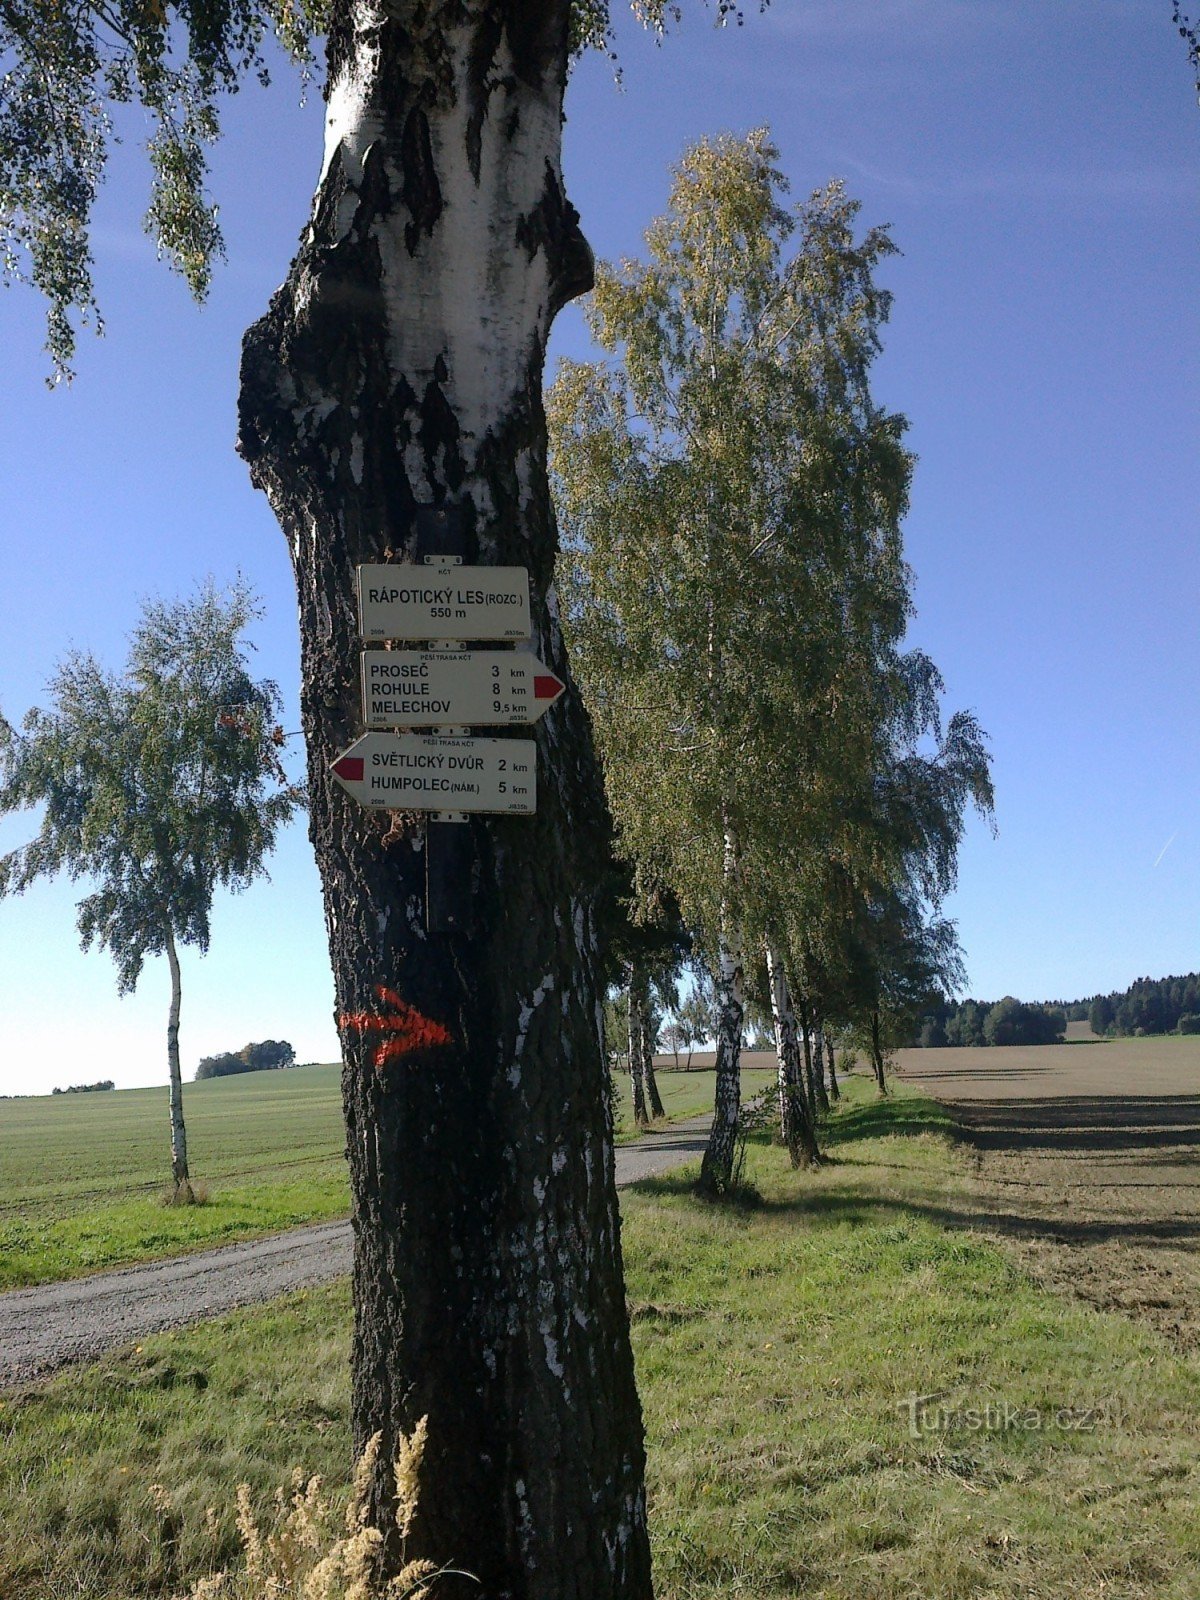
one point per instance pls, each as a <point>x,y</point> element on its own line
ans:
<point>731,497</point>
<point>160,785</point>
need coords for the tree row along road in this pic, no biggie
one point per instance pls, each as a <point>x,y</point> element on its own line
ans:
<point>57,1323</point>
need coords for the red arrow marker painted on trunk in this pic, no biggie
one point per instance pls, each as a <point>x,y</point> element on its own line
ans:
<point>409,1029</point>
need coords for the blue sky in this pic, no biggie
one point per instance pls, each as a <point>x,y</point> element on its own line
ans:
<point>1039,166</point>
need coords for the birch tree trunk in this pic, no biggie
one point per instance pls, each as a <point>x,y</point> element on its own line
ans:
<point>806,1042</point>
<point>877,1054</point>
<point>795,1123</point>
<point>834,1092</point>
<point>179,1159</point>
<point>400,365</point>
<point>716,1169</point>
<point>653,1098</point>
<point>819,1063</point>
<point>637,1029</point>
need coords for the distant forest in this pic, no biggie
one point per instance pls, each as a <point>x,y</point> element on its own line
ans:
<point>1149,1005</point>
<point>270,1055</point>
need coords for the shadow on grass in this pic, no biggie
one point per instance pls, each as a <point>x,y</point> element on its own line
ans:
<point>1121,1138</point>
<point>884,1118</point>
<point>1082,1123</point>
<point>835,1208</point>
<point>904,1116</point>
<point>847,1206</point>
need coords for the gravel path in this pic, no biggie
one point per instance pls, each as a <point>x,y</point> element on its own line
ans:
<point>57,1323</point>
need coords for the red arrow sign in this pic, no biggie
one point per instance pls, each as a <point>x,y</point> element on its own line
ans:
<point>409,1029</point>
<point>547,687</point>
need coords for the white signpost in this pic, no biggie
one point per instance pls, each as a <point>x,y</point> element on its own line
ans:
<point>400,600</point>
<point>430,772</point>
<point>419,688</point>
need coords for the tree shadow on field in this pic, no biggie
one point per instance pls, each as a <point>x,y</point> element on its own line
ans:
<point>1077,1123</point>
<point>880,1119</point>
<point>973,1074</point>
<point>849,1205</point>
<point>836,1208</point>
<point>1104,1139</point>
<point>1106,1136</point>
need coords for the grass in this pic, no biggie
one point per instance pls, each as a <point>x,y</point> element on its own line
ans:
<point>684,1094</point>
<point>778,1346</point>
<point>82,1177</point>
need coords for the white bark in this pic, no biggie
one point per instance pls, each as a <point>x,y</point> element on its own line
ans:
<point>794,1118</point>
<point>179,1159</point>
<point>716,1172</point>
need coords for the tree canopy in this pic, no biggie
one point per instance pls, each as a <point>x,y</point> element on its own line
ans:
<point>269,1055</point>
<point>159,785</point>
<point>730,501</point>
<point>67,70</point>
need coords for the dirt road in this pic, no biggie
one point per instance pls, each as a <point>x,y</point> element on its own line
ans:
<point>47,1327</point>
<point>1087,1159</point>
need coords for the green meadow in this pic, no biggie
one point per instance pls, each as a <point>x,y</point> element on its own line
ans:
<point>843,1400</point>
<point>83,1176</point>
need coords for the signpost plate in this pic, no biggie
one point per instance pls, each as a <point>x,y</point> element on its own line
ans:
<point>400,600</point>
<point>429,772</point>
<point>420,688</point>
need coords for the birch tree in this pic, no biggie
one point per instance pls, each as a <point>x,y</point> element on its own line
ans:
<point>731,498</point>
<point>159,786</point>
<point>394,384</point>
<point>866,938</point>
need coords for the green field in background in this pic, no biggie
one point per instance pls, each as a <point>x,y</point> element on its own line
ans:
<point>779,1349</point>
<point>83,1176</point>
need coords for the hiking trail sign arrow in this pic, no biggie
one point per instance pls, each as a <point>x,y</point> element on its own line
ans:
<point>401,600</point>
<point>420,688</point>
<point>431,772</point>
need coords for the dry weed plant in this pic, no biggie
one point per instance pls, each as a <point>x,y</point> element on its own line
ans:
<point>311,1554</point>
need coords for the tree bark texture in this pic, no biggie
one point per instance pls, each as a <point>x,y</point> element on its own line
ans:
<point>834,1092</point>
<point>716,1169</point>
<point>650,1083</point>
<point>401,365</point>
<point>179,1158</point>
<point>653,1098</point>
<point>877,1054</point>
<point>637,1083</point>
<point>806,1044</point>
<point>795,1124</point>
<point>818,1046</point>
